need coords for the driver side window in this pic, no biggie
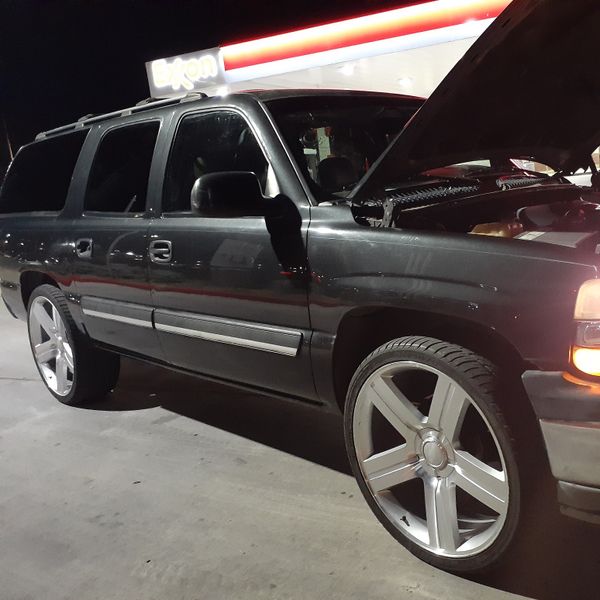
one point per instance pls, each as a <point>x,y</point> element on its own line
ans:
<point>211,142</point>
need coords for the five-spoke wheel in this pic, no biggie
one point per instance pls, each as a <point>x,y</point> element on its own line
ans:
<point>431,452</point>
<point>52,351</point>
<point>73,370</point>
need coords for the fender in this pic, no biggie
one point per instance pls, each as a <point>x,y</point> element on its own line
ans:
<point>523,293</point>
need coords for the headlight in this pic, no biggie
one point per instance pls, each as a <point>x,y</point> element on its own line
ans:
<point>587,360</point>
<point>585,354</point>
<point>587,307</point>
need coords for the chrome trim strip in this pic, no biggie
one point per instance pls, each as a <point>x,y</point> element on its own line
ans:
<point>120,319</point>
<point>228,339</point>
<point>257,336</point>
<point>174,315</point>
<point>245,334</point>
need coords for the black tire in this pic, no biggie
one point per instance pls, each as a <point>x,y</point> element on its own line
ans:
<point>95,372</point>
<point>478,378</point>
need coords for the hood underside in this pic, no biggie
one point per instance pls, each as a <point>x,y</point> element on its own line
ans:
<point>528,87</point>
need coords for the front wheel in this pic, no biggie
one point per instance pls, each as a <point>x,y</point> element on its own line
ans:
<point>73,370</point>
<point>432,452</point>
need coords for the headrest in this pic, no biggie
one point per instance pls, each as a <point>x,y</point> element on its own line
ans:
<point>336,173</point>
<point>248,155</point>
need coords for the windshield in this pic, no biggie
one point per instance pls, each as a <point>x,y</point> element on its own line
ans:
<point>336,139</point>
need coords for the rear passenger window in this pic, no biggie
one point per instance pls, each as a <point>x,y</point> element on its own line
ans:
<point>119,176</point>
<point>208,143</point>
<point>39,177</point>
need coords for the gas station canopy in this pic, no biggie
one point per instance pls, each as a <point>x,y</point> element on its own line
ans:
<point>407,50</point>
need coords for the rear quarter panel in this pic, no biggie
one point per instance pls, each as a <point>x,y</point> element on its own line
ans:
<point>33,243</point>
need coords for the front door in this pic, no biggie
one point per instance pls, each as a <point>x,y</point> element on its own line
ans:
<point>227,302</point>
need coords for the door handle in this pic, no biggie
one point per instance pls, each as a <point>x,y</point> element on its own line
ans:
<point>161,251</point>
<point>83,247</point>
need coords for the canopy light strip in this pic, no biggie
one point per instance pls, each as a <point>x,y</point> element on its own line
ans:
<point>360,30</point>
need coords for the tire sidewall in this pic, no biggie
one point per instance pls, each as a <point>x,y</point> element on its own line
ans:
<point>498,548</point>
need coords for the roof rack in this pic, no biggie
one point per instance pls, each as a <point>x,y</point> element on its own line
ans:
<point>146,104</point>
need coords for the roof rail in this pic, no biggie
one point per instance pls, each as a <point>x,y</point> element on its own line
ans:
<point>147,104</point>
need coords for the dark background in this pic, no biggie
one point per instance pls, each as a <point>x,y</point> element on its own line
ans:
<point>61,59</point>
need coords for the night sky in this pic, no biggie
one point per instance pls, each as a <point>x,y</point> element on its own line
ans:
<point>61,59</point>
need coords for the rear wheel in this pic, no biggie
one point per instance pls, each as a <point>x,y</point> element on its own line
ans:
<point>432,452</point>
<point>72,369</point>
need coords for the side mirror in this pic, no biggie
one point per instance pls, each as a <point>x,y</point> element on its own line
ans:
<point>228,194</point>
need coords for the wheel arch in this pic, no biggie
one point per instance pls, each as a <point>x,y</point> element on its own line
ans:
<point>29,280</point>
<point>362,330</point>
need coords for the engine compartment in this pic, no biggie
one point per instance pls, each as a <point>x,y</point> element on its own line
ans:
<point>521,205</point>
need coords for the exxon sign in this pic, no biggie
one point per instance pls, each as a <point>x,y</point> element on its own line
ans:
<point>186,73</point>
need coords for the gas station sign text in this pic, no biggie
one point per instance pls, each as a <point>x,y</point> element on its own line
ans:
<point>185,73</point>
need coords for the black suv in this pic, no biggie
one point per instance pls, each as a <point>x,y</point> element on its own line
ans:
<point>426,268</point>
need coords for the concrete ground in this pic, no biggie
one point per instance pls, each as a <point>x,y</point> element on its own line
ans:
<point>176,489</point>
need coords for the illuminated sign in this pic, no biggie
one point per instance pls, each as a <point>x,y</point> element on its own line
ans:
<point>185,73</point>
<point>396,30</point>
<point>377,27</point>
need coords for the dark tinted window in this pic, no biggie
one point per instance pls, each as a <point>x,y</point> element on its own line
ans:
<point>119,176</point>
<point>208,143</point>
<point>39,177</point>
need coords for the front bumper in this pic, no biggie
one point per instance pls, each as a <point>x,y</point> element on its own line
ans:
<point>568,410</point>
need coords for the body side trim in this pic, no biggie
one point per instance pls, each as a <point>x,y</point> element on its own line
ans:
<point>255,336</point>
<point>113,310</point>
<point>227,331</point>
<point>109,317</point>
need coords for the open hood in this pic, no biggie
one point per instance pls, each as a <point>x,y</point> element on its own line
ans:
<point>528,87</point>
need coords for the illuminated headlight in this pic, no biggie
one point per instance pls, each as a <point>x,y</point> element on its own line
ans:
<point>587,307</point>
<point>585,354</point>
<point>587,360</point>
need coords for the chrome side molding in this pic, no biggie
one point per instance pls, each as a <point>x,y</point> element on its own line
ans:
<point>254,336</point>
<point>122,312</point>
<point>227,331</point>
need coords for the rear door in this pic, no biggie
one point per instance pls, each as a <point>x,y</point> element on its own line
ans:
<point>230,294</point>
<point>110,238</point>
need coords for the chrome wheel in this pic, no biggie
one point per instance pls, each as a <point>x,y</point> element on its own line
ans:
<point>51,348</point>
<point>430,459</point>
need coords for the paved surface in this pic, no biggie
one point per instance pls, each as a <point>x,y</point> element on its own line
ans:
<point>175,489</point>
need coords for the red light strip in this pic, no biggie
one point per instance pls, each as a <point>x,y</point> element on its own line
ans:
<point>360,30</point>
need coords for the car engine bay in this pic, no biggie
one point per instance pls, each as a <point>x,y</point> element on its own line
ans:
<point>518,205</point>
